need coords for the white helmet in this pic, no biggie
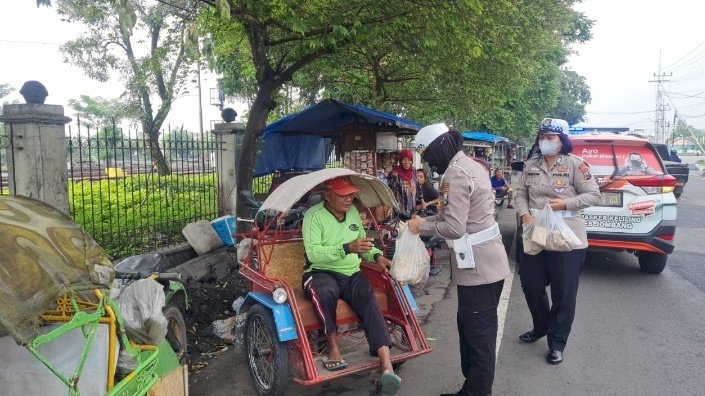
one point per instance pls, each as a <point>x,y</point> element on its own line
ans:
<point>553,126</point>
<point>428,134</point>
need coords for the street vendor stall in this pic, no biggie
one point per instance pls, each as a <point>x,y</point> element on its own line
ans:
<point>496,150</point>
<point>366,140</point>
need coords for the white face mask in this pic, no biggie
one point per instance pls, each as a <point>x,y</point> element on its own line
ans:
<point>548,147</point>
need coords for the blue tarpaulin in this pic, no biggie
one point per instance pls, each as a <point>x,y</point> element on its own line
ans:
<point>325,117</point>
<point>280,152</point>
<point>302,140</point>
<point>485,137</point>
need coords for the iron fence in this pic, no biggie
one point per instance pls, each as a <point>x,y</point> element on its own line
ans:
<point>135,195</point>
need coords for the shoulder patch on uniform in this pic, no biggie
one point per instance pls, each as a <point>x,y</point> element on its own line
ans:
<point>584,168</point>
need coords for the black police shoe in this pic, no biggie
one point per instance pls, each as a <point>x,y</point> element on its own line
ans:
<point>458,393</point>
<point>531,336</point>
<point>554,356</point>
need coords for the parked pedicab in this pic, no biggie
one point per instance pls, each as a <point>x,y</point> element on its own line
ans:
<point>281,334</point>
<point>61,332</point>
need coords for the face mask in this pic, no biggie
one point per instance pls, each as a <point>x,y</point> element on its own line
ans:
<point>636,163</point>
<point>548,147</point>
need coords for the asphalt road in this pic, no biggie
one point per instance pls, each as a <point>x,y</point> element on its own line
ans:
<point>634,333</point>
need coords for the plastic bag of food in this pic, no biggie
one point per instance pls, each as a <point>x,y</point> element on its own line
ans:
<point>410,263</point>
<point>530,247</point>
<point>552,232</point>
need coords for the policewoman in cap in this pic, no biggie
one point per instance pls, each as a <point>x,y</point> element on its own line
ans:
<point>479,261</point>
<point>564,181</point>
<point>335,244</point>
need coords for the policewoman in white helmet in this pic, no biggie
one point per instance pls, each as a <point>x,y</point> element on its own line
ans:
<point>479,262</point>
<point>564,181</point>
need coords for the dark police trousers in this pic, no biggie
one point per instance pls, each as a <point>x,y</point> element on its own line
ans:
<point>477,329</point>
<point>562,271</point>
<point>324,288</point>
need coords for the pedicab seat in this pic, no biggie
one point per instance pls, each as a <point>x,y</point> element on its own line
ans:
<point>287,264</point>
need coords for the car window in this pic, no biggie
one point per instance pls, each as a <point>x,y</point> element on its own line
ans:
<point>630,160</point>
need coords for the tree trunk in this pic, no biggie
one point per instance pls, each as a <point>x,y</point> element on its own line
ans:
<point>256,123</point>
<point>155,152</point>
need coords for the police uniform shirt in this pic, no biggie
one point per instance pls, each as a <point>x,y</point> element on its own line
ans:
<point>569,179</point>
<point>467,202</point>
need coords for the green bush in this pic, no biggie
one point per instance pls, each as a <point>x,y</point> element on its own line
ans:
<point>136,214</point>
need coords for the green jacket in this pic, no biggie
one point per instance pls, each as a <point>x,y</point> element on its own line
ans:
<point>325,237</point>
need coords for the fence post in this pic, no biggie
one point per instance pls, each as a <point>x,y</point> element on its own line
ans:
<point>228,138</point>
<point>38,152</point>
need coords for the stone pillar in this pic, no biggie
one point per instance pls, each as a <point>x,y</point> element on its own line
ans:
<point>38,152</point>
<point>228,138</point>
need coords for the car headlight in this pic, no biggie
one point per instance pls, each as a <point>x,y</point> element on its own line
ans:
<point>279,295</point>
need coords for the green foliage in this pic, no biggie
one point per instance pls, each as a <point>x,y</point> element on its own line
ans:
<point>136,214</point>
<point>5,89</point>
<point>149,44</point>
<point>100,112</point>
<point>574,95</point>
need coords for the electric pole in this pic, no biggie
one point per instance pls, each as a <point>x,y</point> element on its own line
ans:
<point>661,126</point>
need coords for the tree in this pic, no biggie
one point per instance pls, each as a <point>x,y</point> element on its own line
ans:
<point>263,46</point>
<point>575,94</point>
<point>150,44</point>
<point>96,112</point>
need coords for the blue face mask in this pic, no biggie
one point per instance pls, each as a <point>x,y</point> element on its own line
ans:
<point>548,147</point>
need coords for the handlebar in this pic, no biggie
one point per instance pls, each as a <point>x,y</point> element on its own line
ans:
<point>158,276</point>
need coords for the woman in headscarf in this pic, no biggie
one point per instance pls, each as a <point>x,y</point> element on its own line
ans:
<point>402,182</point>
<point>479,262</point>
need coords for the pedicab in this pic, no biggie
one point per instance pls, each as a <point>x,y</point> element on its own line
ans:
<point>61,331</point>
<point>281,331</point>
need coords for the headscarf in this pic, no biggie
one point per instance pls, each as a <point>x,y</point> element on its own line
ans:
<point>442,150</point>
<point>405,174</point>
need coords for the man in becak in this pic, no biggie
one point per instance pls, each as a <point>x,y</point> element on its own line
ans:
<point>335,244</point>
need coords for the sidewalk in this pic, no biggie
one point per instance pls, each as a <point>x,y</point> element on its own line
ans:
<point>429,374</point>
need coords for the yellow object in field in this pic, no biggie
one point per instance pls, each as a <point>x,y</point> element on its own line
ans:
<point>115,172</point>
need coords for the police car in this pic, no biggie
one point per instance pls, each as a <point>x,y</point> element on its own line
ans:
<point>637,209</point>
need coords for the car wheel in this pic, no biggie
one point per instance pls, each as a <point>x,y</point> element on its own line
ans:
<point>267,357</point>
<point>677,194</point>
<point>652,263</point>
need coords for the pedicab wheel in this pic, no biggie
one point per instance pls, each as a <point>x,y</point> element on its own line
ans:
<point>176,330</point>
<point>267,357</point>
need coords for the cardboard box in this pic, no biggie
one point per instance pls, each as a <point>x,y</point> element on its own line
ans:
<point>225,228</point>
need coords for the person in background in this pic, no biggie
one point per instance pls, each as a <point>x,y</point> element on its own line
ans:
<point>501,187</point>
<point>675,157</point>
<point>403,184</point>
<point>466,218</point>
<point>426,195</point>
<point>564,182</point>
<point>335,243</point>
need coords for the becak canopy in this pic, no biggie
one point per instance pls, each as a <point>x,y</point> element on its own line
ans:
<point>43,255</point>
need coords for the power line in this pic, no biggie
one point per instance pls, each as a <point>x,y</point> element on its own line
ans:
<point>29,42</point>
<point>673,65</point>
<point>618,112</point>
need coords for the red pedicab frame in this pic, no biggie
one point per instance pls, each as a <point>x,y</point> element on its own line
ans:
<point>266,353</point>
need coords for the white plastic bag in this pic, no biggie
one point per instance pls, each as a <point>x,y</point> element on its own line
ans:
<point>530,247</point>
<point>410,263</point>
<point>141,305</point>
<point>551,232</point>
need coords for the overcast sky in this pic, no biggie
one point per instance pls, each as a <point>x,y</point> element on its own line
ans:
<point>618,62</point>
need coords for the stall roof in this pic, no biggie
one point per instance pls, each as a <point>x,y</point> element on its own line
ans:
<point>485,137</point>
<point>325,117</point>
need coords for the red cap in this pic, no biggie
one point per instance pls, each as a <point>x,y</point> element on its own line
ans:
<point>341,186</point>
